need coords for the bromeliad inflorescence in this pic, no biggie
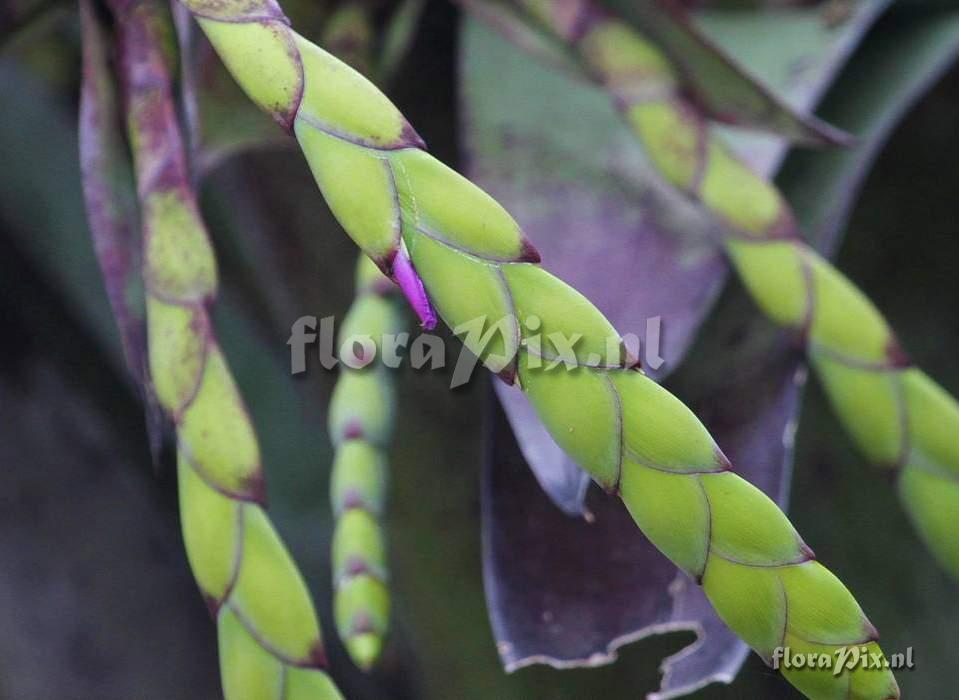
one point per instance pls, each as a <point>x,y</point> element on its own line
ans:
<point>633,437</point>
<point>456,254</point>
<point>899,417</point>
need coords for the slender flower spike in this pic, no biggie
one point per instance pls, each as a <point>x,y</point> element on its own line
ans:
<point>633,436</point>
<point>899,417</point>
<point>269,638</point>
<point>361,424</point>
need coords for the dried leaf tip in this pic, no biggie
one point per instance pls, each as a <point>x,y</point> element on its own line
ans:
<point>412,287</point>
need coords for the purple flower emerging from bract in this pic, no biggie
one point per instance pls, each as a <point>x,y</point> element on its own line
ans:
<point>412,287</point>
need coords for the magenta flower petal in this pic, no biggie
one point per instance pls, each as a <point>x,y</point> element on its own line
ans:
<point>412,287</point>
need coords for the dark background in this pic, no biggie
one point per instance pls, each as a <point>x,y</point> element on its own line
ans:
<point>96,599</point>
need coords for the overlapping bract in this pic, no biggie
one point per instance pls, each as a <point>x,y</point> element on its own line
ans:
<point>361,425</point>
<point>269,637</point>
<point>632,436</point>
<point>901,420</point>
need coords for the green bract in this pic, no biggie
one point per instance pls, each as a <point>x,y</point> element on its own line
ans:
<point>896,414</point>
<point>269,637</point>
<point>361,423</point>
<point>633,436</point>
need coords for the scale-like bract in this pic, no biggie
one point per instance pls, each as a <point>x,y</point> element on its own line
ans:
<point>471,262</point>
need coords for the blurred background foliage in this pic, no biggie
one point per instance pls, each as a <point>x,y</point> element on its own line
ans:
<point>96,600</point>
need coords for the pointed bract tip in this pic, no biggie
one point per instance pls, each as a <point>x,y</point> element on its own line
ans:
<point>896,355</point>
<point>353,499</point>
<point>528,252</point>
<point>356,566</point>
<point>353,430</point>
<point>364,649</point>
<point>723,461</point>
<point>784,228</point>
<point>508,374</point>
<point>317,657</point>
<point>384,262</point>
<point>255,487</point>
<point>212,604</point>
<point>409,138</point>
<point>412,287</point>
<point>869,629</point>
<point>806,551</point>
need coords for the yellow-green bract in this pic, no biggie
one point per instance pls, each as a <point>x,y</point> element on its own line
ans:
<point>901,420</point>
<point>634,437</point>
<point>269,637</point>
<point>361,424</point>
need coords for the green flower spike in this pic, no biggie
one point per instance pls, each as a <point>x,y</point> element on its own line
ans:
<point>900,419</point>
<point>269,637</point>
<point>634,437</point>
<point>361,424</point>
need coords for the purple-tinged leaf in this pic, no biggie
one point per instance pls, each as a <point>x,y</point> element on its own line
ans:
<point>800,64</point>
<point>724,89</point>
<point>581,590</point>
<point>186,35</point>
<point>748,389</point>
<point>571,616</point>
<point>509,21</point>
<point>558,476</point>
<point>111,204</point>
<point>109,192</point>
<point>580,186</point>
<point>554,152</point>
